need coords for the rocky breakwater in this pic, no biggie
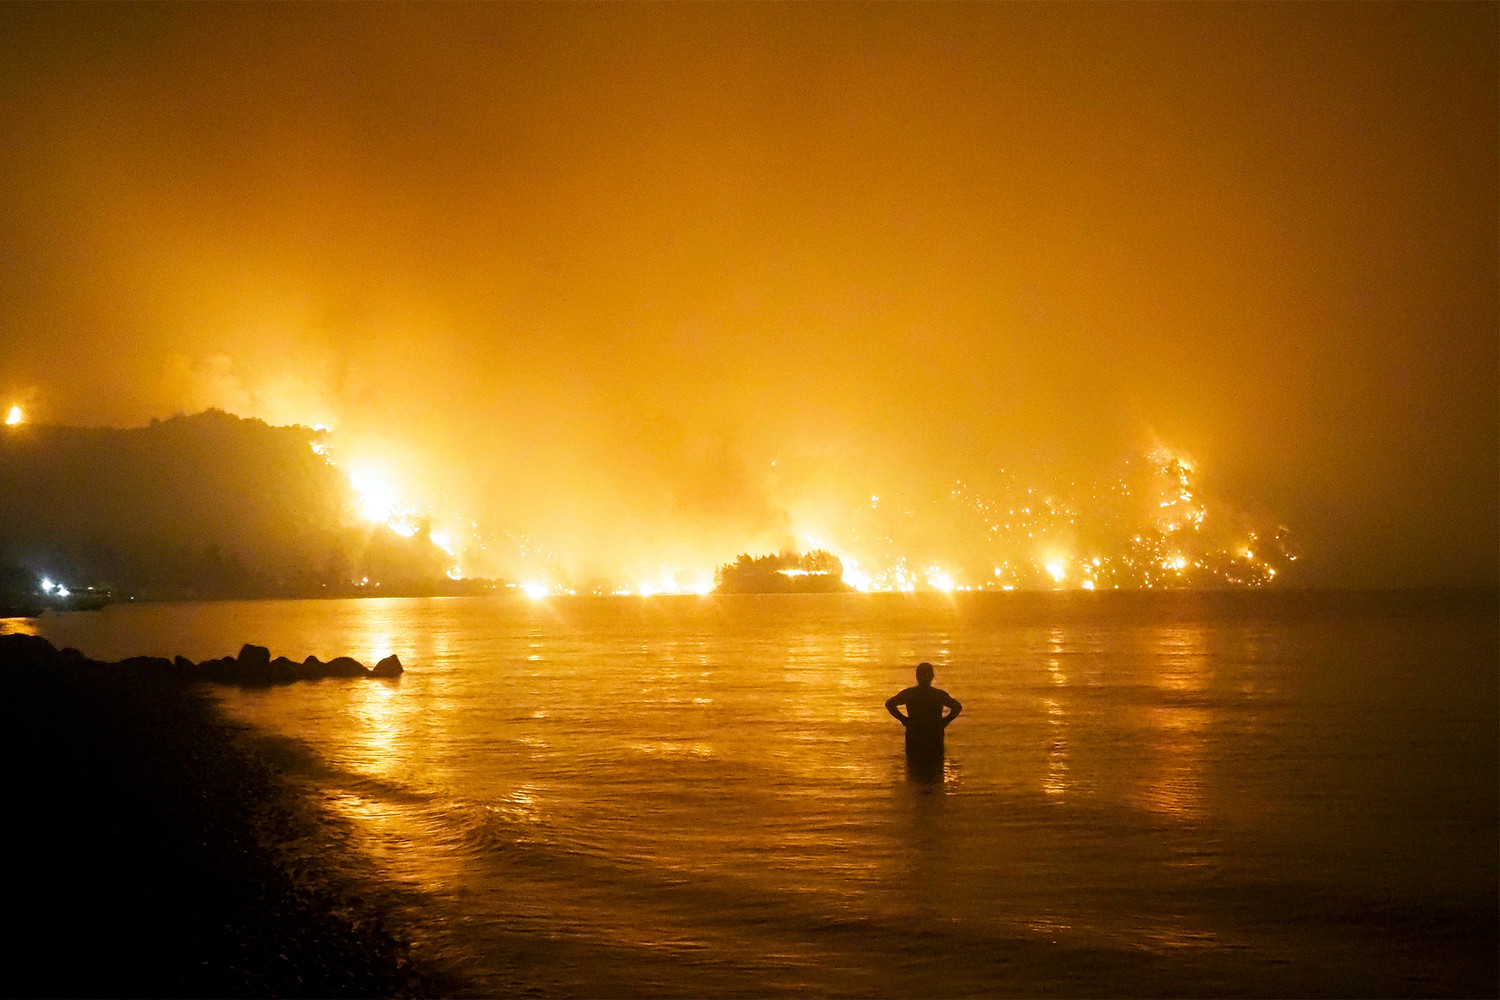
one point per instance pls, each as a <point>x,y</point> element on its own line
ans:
<point>253,667</point>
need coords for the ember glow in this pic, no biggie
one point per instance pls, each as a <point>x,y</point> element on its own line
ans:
<point>380,501</point>
<point>1151,525</point>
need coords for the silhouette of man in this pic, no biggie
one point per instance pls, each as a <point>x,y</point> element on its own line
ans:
<point>924,719</point>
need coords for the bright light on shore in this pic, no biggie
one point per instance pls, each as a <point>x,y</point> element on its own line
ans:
<point>14,417</point>
<point>940,580</point>
<point>377,497</point>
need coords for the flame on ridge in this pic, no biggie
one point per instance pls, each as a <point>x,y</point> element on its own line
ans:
<point>1150,527</point>
<point>379,501</point>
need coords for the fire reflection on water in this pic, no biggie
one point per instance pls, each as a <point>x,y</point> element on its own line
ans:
<point>377,714</point>
<point>1178,724</point>
<point>523,805</point>
<point>1056,784</point>
<point>19,626</point>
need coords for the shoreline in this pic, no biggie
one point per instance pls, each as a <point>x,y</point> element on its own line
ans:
<point>162,849</point>
<point>1370,928</point>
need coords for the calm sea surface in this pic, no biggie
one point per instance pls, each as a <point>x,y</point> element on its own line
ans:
<point>1248,793</point>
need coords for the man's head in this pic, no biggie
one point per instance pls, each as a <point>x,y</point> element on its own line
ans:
<point>924,674</point>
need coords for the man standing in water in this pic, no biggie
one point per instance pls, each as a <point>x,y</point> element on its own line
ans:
<point>924,719</point>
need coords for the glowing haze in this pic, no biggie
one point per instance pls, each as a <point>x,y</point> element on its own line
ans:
<point>615,293</point>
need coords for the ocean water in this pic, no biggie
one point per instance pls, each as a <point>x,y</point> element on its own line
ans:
<point>1146,794</point>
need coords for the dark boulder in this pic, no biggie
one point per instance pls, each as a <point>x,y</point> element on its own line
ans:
<point>145,665</point>
<point>345,666</point>
<point>252,666</point>
<point>388,667</point>
<point>283,670</point>
<point>224,670</point>
<point>31,650</point>
<point>254,658</point>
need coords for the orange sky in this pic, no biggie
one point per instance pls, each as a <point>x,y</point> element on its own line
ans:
<point>586,271</point>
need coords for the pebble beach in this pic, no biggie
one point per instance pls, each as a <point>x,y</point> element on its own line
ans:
<point>158,849</point>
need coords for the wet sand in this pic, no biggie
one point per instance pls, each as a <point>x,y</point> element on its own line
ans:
<point>156,849</point>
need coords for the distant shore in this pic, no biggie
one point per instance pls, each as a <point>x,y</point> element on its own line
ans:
<point>163,851</point>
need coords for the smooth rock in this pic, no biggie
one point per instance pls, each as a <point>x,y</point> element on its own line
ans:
<point>225,668</point>
<point>145,664</point>
<point>27,647</point>
<point>256,658</point>
<point>388,667</point>
<point>346,666</point>
<point>284,670</point>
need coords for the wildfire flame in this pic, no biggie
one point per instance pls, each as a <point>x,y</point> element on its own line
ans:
<point>1151,527</point>
<point>379,501</point>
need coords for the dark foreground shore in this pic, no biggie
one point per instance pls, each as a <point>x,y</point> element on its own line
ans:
<point>157,850</point>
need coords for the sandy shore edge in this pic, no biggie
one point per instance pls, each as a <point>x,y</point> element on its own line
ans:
<point>160,850</point>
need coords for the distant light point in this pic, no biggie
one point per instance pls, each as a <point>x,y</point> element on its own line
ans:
<point>14,417</point>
